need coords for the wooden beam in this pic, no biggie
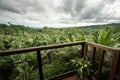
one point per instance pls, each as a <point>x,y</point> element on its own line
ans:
<point>46,47</point>
<point>93,55</point>
<point>115,64</point>
<point>40,64</point>
<point>85,49</point>
<point>102,54</point>
<point>106,48</point>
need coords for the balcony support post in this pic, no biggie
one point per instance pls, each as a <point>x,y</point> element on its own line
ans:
<point>93,55</point>
<point>115,64</point>
<point>102,54</point>
<point>40,64</point>
<point>85,48</point>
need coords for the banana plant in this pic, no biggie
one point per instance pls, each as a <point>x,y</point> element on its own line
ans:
<point>83,66</point>
<point>25,67</point>
<point>25,72</point>
<point>104,37</point>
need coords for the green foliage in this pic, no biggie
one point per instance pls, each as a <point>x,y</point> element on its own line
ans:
<point>6,65</point>
<point>24,71</point>
<point>104,37</point>
<point>53,69</point>
<point>24,67</point>
<point>83,66</point>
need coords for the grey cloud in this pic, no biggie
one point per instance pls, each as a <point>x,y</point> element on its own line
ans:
<point>78,8</point>
<point>73,6</point>
<point>20,6</point>
<point>80,4</point>
<point>60,11</point>
<point>6,5</point>
<point>68,5</point>
<point>91,11</point>
<point>110,1</point>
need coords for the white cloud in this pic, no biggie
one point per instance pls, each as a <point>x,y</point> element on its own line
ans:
<point>59,12</point>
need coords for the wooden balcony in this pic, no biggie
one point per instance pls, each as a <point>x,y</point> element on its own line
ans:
<point>115,59</point>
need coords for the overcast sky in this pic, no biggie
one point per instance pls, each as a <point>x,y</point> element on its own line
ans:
<point>39,13</point>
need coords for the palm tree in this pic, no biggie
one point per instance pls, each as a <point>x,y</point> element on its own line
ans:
<point>104,37</point>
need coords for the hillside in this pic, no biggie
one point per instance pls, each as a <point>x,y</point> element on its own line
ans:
<point>16,29</point>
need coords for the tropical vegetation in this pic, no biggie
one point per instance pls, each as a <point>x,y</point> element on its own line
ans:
<point>55,61</point>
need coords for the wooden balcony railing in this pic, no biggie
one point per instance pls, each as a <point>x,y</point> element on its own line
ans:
<point>115,60</point>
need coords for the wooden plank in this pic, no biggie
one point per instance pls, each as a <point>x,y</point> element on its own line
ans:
<point>102,54</point>
<point>82,51</point>
<point>93,55</point>
<point>85,50</point>
<point>24,50</point>
<point>115,64</point>
<point>106,48</point>
<point>40,64</point>
<point>74,77</point>
<point>64,75</point>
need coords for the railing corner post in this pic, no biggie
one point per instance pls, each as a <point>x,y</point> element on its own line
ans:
<point>84,50</point>
<point>115,64</point>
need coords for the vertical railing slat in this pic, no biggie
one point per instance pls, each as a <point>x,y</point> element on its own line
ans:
<point>102,54</point>
<point>82,52</point>
<point>40,64</point>
<point>93,55</point>
<point>115,64</point>
<point>85,49</point>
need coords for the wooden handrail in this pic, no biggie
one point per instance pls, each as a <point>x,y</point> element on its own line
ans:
<point>24,50</point>
<point>106,48</point>
<point>30,49</point>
